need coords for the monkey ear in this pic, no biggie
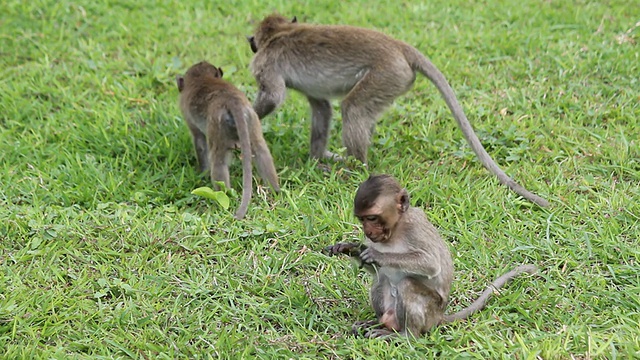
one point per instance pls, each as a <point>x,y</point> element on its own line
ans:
<point>294,20</point>
<point>220,71</point>
<point>180,82</point>
<point>404,201</point>
<point>252,43</point>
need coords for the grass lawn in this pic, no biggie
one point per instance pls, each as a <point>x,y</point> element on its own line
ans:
<point>105,253</point>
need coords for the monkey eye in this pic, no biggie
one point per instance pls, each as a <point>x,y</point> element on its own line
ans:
<point>371,218</point>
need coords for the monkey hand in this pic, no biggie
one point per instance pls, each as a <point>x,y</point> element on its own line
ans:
<point>370,256</point>
<point>351,249</point>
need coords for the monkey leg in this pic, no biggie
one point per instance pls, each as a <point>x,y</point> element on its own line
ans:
<point>386,304</point>
<point>263,158</point>
<point>220,169</point>
<point>219,153</point>
<point>200,145</point>
<point>417,309</point>
<point>379,333</point>
<point>362,107</point>
<point>422,308</point>
<point>360,328</point>
<point>320,125</point>
<point>358,124</point>
<point>392,318</point>
<point>264,163</point>
<point>380,294</point>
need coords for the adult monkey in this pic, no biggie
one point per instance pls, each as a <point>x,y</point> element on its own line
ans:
<point>365,67</point>
<point>219,116</point>
<point>410,264</point>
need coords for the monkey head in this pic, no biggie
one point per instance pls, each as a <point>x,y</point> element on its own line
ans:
<point>268,27</point>
<point>198,71</point>
<point>379,204</point>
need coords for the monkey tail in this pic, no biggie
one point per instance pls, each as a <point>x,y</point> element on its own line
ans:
<point>240,117</point>
<point>420,63</point>
<point>480,303</point>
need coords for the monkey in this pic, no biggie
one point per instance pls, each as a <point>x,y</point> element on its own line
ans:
<point>219,116</point>
<point>411,265</point>
<point>365,68</point>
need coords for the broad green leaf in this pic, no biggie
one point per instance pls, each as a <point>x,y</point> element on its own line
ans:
<point>219,196</point>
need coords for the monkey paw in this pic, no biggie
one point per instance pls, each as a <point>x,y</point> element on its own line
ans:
<point>332,156</point>
<point>351,249</point>
<point>359,327</point>
<point>369,256</point>
<point>379,333</point>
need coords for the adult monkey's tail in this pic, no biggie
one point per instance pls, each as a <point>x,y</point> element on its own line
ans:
<point>420,63</point>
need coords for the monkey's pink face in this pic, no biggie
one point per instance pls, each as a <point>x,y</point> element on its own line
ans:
<point>379,220</point>
<point>373,228</point>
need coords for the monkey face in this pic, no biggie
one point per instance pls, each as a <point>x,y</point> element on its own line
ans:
<point>378,211</point>
<point>374,228</point>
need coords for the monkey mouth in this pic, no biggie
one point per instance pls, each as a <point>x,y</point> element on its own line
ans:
<point>386,234</point>
<point>379,238</point>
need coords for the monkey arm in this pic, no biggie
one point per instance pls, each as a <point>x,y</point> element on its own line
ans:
<point>416,263</point>
<point>271,94</point>
<point>351,249</point>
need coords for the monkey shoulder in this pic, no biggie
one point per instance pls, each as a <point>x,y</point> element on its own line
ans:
<point>227,95</point>
<point>416,213</point>
<point>417,222</point>
<point>423,236</point>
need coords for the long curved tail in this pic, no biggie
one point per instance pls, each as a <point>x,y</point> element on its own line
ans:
<point>240,118</point>
<point>480,303</point>
<point>420,63</point>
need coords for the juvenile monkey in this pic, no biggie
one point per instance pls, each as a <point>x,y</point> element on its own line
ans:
<point>218,116</point>
<point>410,264</point>
<point>366,68</point>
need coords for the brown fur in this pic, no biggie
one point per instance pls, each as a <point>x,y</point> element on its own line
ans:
<point>218,116</point>
<point>366,68</point>
<point>412,268</point>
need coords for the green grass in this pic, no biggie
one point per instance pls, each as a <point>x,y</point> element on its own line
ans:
<point>104,252</point>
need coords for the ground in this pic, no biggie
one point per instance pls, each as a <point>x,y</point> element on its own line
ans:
<point>105,253</point>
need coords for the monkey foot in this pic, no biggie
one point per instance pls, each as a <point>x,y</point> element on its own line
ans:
<point>359,327</point>
<point>332,156</point>
<point>351,249</point>
<point>324,167</point>
<point>378,333</point>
